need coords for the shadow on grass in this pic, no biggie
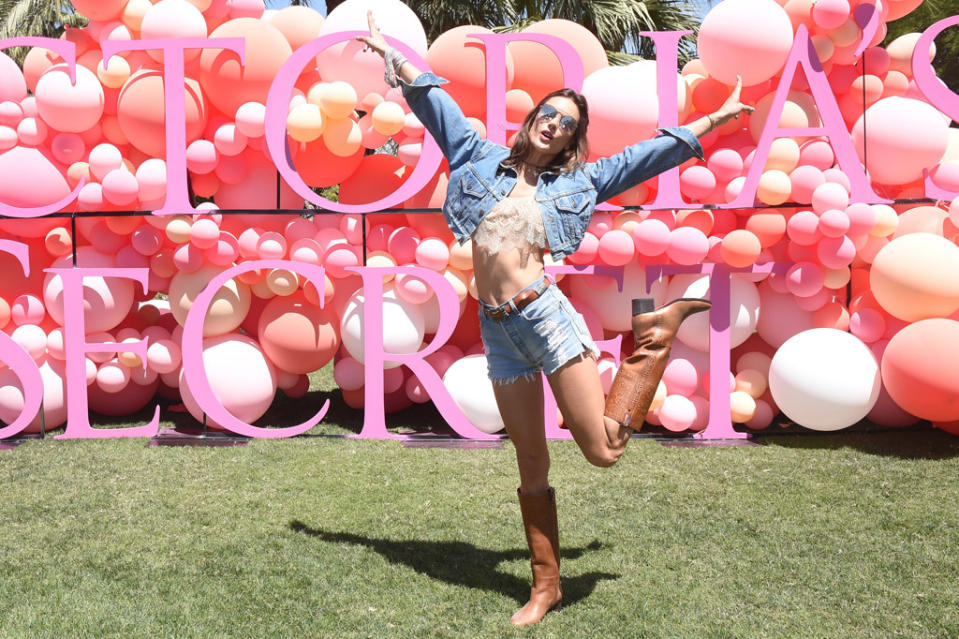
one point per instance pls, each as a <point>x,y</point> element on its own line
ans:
<point>915,442</point>
<point>463,564</point>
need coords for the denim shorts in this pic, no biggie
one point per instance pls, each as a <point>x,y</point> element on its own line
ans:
<point>543,336</point>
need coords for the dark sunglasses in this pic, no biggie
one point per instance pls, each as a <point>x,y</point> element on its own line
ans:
<point>547,112</point>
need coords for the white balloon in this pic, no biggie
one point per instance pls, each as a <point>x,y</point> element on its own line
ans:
<point>469,386</point>
<point>743,310</point>
<point>824,379</point>
<point>403,326</point>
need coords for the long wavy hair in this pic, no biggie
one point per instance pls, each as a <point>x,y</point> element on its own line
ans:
<point>572,155</point>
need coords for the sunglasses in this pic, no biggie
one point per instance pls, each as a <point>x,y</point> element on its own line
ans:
<point>547,112</point>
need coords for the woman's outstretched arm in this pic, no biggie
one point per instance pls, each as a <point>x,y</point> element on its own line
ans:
<point>438,112</point>
<point>730,109</point>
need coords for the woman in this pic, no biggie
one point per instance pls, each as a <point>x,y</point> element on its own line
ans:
<point>515,204</point>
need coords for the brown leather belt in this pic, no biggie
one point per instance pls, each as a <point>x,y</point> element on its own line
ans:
<point>516,303</point>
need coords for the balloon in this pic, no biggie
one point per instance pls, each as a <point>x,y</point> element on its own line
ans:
<point>740,248</point>
<point>68,107</point>
<point>744,309</point>
<point>914,277</point>
<point>824,379</point>
<point>623,108</point>
<point>687,245</point>
<point>319,167</point>
<point>101,10</point>
<point>616,247</point>
<point>781,318</point>
<point>242,378</point>
<point>376,177</point>
<point>681,377</point>
<point>54,409</point>
<point>469,386</point>
<point>298,24</point>
<point>141,111</point>
<point>919,369</point>
<point>614,307</point>
<point>677,413</point>
<point>14,86</point>
<point>227,83</point>
<point>403,326</point>
<point>904,137</point>
<point>173,19</point>
<point>348,61</point>
<point>258,188</point>
<point>230,305</point>
<point>29,179</point>
<point>297,336</point>
<point>750,38</point>
<point>388,118</point>
<point>106,301</point>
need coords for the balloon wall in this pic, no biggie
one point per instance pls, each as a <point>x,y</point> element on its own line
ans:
<point>860,323</point>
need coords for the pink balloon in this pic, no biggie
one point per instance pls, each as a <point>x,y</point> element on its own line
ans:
<point>112,377</point>
<point>623,109</point>
<point>833,223</point>
<point>188,258</point>
<point>173,19</point>
<point>677,413</point>
<point>29,179</point>
<point>817,153</point>
<point>120,187</point>
<point>725,164</point>
<point>862,218</point>
<point>402,244</point>
<point>146,240</point>
<point>830,14</point>
<point>349,374</point>
<point>616,247</point>
<point>651,237</point>
<point>204,233</point>
<point>687,245</point>
<point>68,148</point>
<point>836,252</point>
<point>201,157</point>
<point>804,180</point>
<point>805,279</point>
<point>588,248</point>
<point>103,159</point>
<point>698,182</point>
<point>803,228</point>
<point>106,301</point>
<point>829,195</point>
<point>867,324</point>
<point>250,118</point>
<point>225,251</point>
<point>750,38</point>
<point>412,289</point>
<point>271,246</point>
<point>339,258</point>
<point>432,253</point>
<point>229,141</point>
<point>904,137</point>
<point>681,377</point>
<point>68,107</point>
<point>27,309</point>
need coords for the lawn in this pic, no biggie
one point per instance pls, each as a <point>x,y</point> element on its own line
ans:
<point>843,535</point>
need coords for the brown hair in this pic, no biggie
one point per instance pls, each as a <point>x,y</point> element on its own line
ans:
<point>575,151</point>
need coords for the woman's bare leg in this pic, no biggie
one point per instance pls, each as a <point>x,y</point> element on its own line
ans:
<point>521,405</point>
<point>579,395</point>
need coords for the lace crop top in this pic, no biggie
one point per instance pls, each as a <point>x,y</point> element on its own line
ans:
<point>513,223</point>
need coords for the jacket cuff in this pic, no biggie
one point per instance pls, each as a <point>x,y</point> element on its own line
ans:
<point>688,137</point>
<point>422,81</point>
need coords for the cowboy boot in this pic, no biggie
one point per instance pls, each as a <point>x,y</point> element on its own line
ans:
<point>635,383</point>
<point>542,536</point>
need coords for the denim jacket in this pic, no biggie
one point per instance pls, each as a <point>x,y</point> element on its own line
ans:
<point>478,179</point>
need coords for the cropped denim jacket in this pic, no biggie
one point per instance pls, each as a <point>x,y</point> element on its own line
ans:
<point>478,179</point>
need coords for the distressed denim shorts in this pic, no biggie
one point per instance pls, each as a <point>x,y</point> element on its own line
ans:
<point>543,336</point>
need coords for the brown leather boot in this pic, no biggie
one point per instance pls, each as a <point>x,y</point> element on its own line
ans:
<point>542,535</point>
<point>635,383</point>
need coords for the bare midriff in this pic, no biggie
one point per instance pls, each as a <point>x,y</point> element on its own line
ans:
<point>501,275</point>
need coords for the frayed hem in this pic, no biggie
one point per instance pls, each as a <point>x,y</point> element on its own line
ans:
<point>506,381</point>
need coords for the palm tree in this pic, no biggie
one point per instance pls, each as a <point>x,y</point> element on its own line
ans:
<point>929,12</point>
<point>36,18</point>
<point>614,22</point>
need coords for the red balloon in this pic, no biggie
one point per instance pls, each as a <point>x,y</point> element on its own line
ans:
<point>376,177</point>
<point>318,167</point>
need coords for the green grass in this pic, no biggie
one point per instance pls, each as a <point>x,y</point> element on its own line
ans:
<point>844,535</point>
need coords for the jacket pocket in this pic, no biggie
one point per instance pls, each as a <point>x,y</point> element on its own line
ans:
<point>574,211</point>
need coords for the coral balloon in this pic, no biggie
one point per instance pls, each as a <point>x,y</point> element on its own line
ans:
<point>297,336</point>
<point>916,277</point>
<point>920,369</point>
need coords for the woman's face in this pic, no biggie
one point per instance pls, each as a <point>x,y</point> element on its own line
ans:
<point>554,126</point>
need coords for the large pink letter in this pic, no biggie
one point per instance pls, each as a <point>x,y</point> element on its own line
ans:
<point>668,195</point>
<point>495,43</point>
<point>177,199</point>
<point>832,127</point>
<point>195,373</point>
<point>931,86</point>
<point>67,51</point>
<point>75,346</point>
<point>13,355</point>
<point>277,107</point>
<point>374,414</point>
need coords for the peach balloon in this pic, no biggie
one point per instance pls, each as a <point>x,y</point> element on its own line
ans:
<point>227,310</point>
<point>750,38</point>
<point>298,24</point>
<point>916,277</point>
<point>141,111</point>
<point>740,248</point>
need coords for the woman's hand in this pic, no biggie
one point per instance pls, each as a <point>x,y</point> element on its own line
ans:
<point>732,107</point>
<point>375,40</point>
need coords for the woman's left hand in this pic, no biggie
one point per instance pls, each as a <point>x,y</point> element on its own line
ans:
<point>732,107</point>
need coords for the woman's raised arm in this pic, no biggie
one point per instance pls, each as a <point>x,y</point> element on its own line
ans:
<point>438,112</point>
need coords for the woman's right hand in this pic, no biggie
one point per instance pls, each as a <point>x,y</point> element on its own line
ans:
<point>375,40</point>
